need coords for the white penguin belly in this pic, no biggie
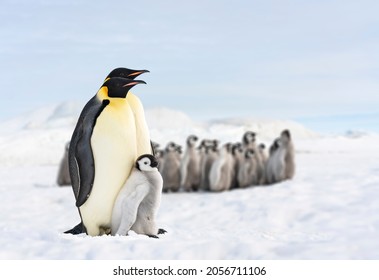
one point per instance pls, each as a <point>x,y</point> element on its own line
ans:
<point>113,145</point>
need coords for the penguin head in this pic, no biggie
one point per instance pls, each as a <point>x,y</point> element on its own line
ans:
<point>179,149</point>
<point>249,137</point>
<point>249,153</point>
<point>285,136</point>
<point>146,162</point>
<point>159,153</point>
<point>171,147</point>
<point>237,149</point>
<point>119,87</point>
<point>262,146</point>
<point>125,73</point>
<point>191,140</point>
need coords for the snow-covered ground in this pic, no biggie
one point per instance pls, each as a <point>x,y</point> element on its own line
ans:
<point>328,211</point>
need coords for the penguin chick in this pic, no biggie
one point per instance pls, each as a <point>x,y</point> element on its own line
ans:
<point>210,155</point>
<point>138,201</point>
<point>248,140</point>
<point>190,166</point>
<point>171,168</point>
<point>262,151</point>
<point>64,171</point>
<point>247,174</point>
<point>238,158</point>
<point>271,164</point>
<point>221,173</point>
<point>289,158</point>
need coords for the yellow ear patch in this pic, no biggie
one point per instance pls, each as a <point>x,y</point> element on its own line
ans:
<point>102,93</point>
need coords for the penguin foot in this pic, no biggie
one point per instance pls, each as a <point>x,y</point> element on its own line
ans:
<point>152,236</point>
<point>78,229</point>
<point>162,231</point>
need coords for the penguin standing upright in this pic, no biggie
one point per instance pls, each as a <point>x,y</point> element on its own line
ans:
<point>137,203</point>
<point>190,166</point>
<point>222,170</point>
<point>271,162</point>
<point>102,153</point>
<point>63,173</point>
<point>171,168</point>
<point>247,174</point>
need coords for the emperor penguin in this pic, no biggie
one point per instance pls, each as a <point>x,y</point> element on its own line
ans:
<point>64,173</point>
<point>275,163</point>
<point>289,158</point>
<point>249,142</point>
<point>210,155</point>
<point>222,172</point>
<point>170,169</point>
<point>144,145</point>
<point>247,173</point>
<point>272,162</point>
<point>238,160</point>
<point>190,166</point>
<point>138,201</point>
<point>103,149</point>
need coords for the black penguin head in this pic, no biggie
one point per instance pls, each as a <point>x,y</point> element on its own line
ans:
<point>249,153</point>
<point>179,149</point>
<point>171,146</point>
<point>262,146</point>
<point>191,140</point>
<point>237,148</point>
<point>119,87</point>
<point>125,73</point>
<point>146,162</point>
<point>285,136</point>
<point>249,137</point>
<point>275,145</point>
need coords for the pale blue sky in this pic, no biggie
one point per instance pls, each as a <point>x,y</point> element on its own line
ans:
<point>211,59</point>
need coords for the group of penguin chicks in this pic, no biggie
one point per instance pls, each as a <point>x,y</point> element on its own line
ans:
<point>209,167</point>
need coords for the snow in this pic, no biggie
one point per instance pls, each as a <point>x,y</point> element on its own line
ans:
<point>328,211</point>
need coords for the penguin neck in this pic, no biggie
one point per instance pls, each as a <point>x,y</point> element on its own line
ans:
<point>102,94</point>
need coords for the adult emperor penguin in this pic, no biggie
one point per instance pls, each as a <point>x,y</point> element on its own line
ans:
<point>138,201</point>
<point>102,153</point>
<point>144,145</point>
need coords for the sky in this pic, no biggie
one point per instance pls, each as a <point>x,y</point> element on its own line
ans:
<point>312,61</point>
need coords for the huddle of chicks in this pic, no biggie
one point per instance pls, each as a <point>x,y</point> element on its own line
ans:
<point>209,167</point>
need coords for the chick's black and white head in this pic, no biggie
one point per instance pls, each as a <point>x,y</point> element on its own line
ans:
<point>191,140</point>
<point>249,137</point>
<point>146,162</point>
<point>285,136</point>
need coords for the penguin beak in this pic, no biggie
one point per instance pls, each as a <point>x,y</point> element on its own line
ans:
<point>137,73</point>
<point>133,83</point>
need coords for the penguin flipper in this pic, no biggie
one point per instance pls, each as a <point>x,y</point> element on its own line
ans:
<point>82,165</point>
